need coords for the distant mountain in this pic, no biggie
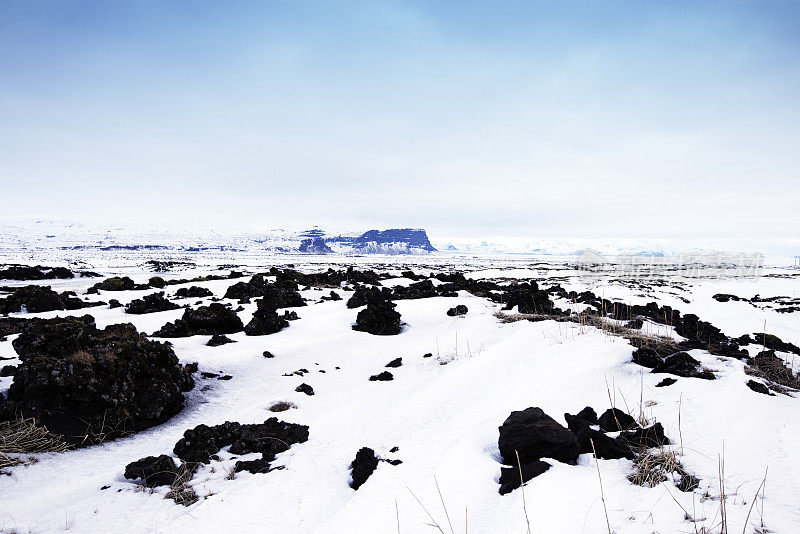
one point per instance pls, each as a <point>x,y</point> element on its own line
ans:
<point>72,236</point>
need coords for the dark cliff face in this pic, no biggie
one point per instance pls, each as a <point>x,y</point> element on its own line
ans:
<point>314,246</point>
<point>414,237</point>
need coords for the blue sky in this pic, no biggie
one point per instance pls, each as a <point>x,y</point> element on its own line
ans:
<point>535,119</point>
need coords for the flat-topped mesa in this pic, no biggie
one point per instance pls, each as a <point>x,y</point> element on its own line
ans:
<point>390,241</point>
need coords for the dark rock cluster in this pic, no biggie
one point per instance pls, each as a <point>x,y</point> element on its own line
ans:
<point>529,435</point>
<point>458,310</point>
<point>152,303</point>
<point>193,292</point>
<point>37,272</point>
<point>269,438</point>
<point>208,320</point>
<point>91,385</point>
<point>35,299</point>
<point>379,318</point>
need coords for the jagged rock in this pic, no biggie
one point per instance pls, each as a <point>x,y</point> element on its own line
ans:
<point>418,290</point>
<point>259,465</point>
<point>268,438</point>
<point>150,304</point>
<point>266,320</point>
<point>8,370</point>
<point>219,339</point>
<point>364,295</point>
<point>91,385</point>
<point>385,376</point>
<point>281,294</point>
<point>535,435</point>
<point>267,354</point>
<point>758,387</point>
<point>305,388</point>
<point>35,299</point>
<point>362,467</point>
<point>528,298</point>
<point>604,446</point>
<point>379,318</point>
<point>38,272</point>
<point>114,303</point>
<point>510,476</point>
<point>666,382</point>
<point>157,282</point>
<point>682,364</point>
<point>193,292</point>
<point>115,283</point>
<point>614,420</point>
<point>397,362</point>
<point>652,436</point>
<point>153,471</point>
<point>647,357</point>
<point>205,320</point>
<point>458,310</point>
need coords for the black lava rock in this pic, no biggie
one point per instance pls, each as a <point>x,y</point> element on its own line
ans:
<point>150,304</point>
<point>305,388</point>
<point>92,385</point>
<point>510,476</point>
<point>38,272</point>
<point>265,320</point>
<point>652,436</point>
<point>193,292</point>
<point>458,310</point>
<point>682,364</point>
<point>268,438</point>
<point>614,420</point>
<point>362,467</point>
<point>758,387</point>
<point>397,362</point>
<point>379,318</point>
<point>114,284</point>
<point>219,339</point>
<point>385,376</point>
<point>647,357</point>
<point>205,320</point>
<point>535,435</point>
<point>35,299</point>
<point>666,382</point>
<point>153,471</point>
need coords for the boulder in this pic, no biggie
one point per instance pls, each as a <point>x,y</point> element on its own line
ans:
<point>614,420</point>
<point>385,376</point>
<point>150,304</point>
<point>458,310</point>
<point>397,362</point>
<point>643,438</point>
<point>510,476</point>
<point>219,339</point>
<point>153,471</point>
<point>682,364</point>
<point>647,357</point>
<point>193,292</point>
<point>379,318</point>
<point>92,385</point>
<point>305,388</point>
<point>362,467</point>
<point>205,320</point>
<point>535,435</point>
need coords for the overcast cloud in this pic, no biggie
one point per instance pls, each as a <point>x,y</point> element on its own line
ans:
<point>531,119</point>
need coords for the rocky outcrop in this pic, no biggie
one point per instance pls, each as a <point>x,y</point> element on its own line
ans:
<point>35,299</point>
<point>193,292</point>
<point>208,320</point>
<point>91,385</point>
<point>379,318</point>
<point>150,304</point>
<point>362,467</point>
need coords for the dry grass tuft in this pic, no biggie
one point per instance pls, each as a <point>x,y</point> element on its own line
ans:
<point>82,357</point>
<point>770,367</point>
<point>180,491</point>
<point>22,436</point>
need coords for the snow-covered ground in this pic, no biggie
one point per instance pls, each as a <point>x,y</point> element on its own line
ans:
<point>442,412</point>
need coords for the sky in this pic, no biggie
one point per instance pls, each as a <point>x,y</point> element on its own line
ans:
<point>470,119</point>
